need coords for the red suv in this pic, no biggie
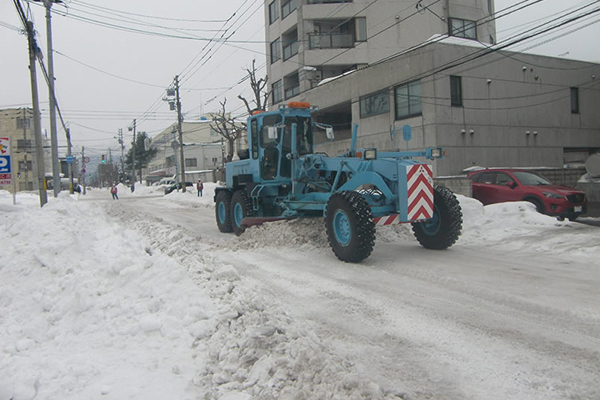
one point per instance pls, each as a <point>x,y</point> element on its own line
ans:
<point>501,185</point>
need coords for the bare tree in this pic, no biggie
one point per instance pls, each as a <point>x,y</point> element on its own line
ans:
<point>232,130</point>
<point>258,89</point>
<point>228,128</point>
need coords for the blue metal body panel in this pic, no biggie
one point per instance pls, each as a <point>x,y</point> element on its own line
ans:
<point>285,178</point>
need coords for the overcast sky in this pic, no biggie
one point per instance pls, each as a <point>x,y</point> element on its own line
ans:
<point>108,76</point>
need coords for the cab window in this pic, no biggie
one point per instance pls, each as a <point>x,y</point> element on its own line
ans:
<point>268,121</point>
<point>254,138</point>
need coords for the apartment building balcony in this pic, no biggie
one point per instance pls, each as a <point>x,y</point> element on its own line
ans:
<point>290,50</point>
<point>331,41</point>
<point>328,1</point>
<point>292,91</point>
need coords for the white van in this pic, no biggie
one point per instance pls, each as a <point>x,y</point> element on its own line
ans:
<point>166,182</point>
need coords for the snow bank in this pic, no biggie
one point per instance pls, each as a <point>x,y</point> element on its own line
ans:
<point>90,309</point>
<point>518,226</point>
<point>87,309</point>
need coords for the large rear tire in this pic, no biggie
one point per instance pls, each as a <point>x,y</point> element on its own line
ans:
<point>241,207</point>
<point>223,211</point>
<point>350,226</point>
<point>444,228</point>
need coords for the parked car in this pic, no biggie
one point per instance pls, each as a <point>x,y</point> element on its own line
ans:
<point>502,185</point>
<point>177,186</point>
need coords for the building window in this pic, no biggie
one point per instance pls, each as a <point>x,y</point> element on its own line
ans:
<point>23,123</point>
<point>290,50</point>
<point>292,91</point>
<point>25,166</point>
<point>456,91</point>
<point>290,44</point>
<point>574,100</point>
<point>277,91</point>
<point>375,104</point>
<point>275,51</point>
<point>25,145</point>
<point>335,34</point>
<point>408,100</point>
<point>273,12</point>
<point>361,29</point>
<point>191,162</point>
<point>463,28</point>
<point>288,7</point>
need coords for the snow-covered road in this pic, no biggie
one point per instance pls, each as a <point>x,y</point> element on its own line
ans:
<point>510,312</point>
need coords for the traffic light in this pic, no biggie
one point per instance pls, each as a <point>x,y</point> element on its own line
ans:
<point>103,159</point>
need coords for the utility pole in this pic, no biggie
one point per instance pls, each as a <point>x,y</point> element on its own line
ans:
<point>69,165</point>
<point>122,149</point>
<point>179,120</point>
<point>25,123</point>
<point>85,169</point>
<point>133,151</point>
<point>33,52</point>
<point>53,132</point>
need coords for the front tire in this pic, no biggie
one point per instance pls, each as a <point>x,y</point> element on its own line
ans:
<point>241,207</point>
<point>223,211</point>
<point>539,206</point>
<point>350,226</point>
<point>444,228</point>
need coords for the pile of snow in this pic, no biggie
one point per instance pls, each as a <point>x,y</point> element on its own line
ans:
<point>92,309</point>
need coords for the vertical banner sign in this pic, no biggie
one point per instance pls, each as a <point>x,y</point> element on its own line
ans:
<point>5,172</point>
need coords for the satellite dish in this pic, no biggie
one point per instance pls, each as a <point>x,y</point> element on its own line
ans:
<point>592,165</point>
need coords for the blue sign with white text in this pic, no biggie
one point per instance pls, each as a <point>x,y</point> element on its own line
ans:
<point>4,164</point>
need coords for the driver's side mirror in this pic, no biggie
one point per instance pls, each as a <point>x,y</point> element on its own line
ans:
<point>511,184</point>
<point>272,132</point>
<point>329,133</point>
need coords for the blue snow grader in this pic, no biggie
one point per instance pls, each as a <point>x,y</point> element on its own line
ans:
<point>280,176</point>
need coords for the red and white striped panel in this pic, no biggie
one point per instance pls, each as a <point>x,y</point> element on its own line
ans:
<point>420,192</point>
<point>389,220</point>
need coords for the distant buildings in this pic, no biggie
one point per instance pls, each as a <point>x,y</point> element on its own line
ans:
<point>203,152</point>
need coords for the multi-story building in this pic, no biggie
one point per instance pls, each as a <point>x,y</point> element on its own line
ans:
<point>500,110</point>
<point>435,70</point>
<point>203,152</point>
<point>17,124</point>
<point>311,40</point>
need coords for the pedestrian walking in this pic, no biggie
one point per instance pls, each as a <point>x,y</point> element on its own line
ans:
<point>113,191</point>
<point>200,187</point>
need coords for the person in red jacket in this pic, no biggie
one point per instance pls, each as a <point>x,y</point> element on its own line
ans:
<point>200,187</point>
<point>113,191</point>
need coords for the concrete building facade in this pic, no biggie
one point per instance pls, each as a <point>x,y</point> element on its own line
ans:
<point>17,124</point>
<point>311,40</point>
<point>503,110</point>
<point>431,67</point>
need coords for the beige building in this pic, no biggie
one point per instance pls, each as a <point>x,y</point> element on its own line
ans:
<point>17,124</point>
<point>202,152</point>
